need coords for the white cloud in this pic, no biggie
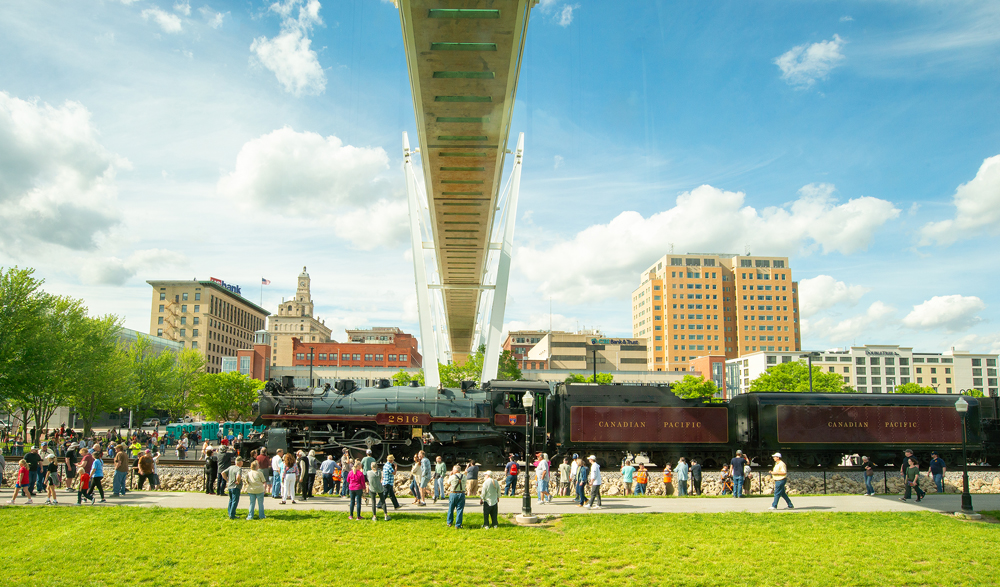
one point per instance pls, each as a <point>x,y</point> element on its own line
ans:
<point>952,313</point>
<point>801,66</point>
<point>183,8</point>
<point>115,271</point>
<point>977,208</point>
<point>213,18</point>
<point>170,23</point>
<point>57,182</point>
<point>566,15</point>
<point>977,343</point>
<point>822,292</point>
<point>604,260</point>
<point>557,162</point>
<point>848,330</point>
<point>543,322</point>
<point>303,174</point>
<point>128,2</point>
<point>847,18</point>
<point>288,55</point>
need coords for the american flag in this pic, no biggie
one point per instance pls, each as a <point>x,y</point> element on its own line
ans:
<point>265,281</point>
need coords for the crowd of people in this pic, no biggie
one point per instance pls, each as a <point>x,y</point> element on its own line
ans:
<point>82,471</point>
<point>76,465</point>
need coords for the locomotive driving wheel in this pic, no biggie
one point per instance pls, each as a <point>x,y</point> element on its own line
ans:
<point>362,441</point>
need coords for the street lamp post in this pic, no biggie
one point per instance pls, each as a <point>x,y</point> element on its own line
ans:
<point>529,437</point>
<point>962,407</point>
<point>809,357</point>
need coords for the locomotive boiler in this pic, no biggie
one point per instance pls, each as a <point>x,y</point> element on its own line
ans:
<point>457,424</point>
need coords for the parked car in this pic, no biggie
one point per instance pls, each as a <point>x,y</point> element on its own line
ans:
<point>150,422</point>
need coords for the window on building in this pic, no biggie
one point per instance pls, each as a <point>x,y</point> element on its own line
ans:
<point>184,296</point>
<point>163,296</point>
<point>159,319</point>
<point>159,332</point>
<point>356,357</point>
<point>300,356</point>
<point>859,361</point>
<point>184,308</point>
<point>345,357</point>
<point>194,344</point>
<point>403,358</point>
<point>183,332</point>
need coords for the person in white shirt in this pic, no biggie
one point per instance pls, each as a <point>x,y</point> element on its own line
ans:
<point>574,467</point>
<point>542,478</point>
<point>595,483</point>
<point>276,465</point>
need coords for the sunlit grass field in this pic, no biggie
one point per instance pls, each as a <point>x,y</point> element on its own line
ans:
<point>158,546</point>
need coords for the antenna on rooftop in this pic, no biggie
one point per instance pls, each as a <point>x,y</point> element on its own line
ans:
<point>746,249</point>
<point>671,248</point>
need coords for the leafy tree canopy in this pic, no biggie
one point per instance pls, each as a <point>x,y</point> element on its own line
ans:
<point>913,388</point>
<point>794,377</point>
<point>692,387</point>
<point>226,396</point>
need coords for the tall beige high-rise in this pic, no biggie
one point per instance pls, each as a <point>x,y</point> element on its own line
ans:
<point>205,315</point>
<point>694,305</point>
<point>295,318</point>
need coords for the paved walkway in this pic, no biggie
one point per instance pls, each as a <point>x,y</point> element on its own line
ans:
<point>611,505</point>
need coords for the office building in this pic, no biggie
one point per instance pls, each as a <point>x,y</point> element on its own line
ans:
<point>879,368</point>
<point>696,305</point>
<point>209,316</point>
<point>295,319</point>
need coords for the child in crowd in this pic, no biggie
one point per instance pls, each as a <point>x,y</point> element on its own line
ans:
<point>84,486</point>
<point>51,483</point>
<point>21,482</point>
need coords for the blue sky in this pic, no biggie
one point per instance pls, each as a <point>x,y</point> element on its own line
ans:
<point>149,139</point>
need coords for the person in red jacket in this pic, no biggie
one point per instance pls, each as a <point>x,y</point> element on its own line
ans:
<point>84,486</point>
<point>22,482</point>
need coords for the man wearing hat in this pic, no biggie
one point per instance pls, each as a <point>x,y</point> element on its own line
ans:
<point>489,500</point>
<point>780,475</point>
<point>736,467</point>
<point>937,471</point>
<point>595,483</point>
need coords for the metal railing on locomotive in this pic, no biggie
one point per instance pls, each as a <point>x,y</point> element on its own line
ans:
<point>492,283</point>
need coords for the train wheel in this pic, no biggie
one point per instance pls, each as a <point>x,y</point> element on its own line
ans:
<point>406,453</point>
<point>490,458</point>
<point>362,441</point>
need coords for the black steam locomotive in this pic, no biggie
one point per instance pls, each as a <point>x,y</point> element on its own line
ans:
<point>487,422</point>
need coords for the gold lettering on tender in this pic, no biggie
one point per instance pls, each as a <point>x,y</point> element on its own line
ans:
<point>682,424</point>
<point>901,425</point>
<point>835,424</point>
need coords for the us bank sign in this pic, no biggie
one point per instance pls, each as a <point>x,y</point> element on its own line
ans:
<point>233,288</point>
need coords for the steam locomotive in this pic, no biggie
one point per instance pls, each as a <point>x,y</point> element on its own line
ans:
<point>487,422</point>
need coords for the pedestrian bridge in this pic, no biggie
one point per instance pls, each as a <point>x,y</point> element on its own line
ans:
<point>463,57</point>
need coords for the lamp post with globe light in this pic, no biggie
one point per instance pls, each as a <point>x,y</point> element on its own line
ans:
<point>962,407</point>
<point>528,401</point>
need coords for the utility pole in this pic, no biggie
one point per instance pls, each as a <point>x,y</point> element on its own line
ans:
<point>595,365</point>
<point>311,355</point>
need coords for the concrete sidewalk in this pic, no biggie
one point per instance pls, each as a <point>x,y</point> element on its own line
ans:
<point>611,505</point>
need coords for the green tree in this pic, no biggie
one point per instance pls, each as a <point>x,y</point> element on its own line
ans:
<point>23,306</point>
<point>151,376</point>
<point>226,396</point>
<point>974,393</point>
<point>188,369</point>
<point>575,378</point>
<point>605,378</point>
<point>101,372</point>
<point>794,377</point>
<point>403,378</point>
<point>453,374</point>
<point>913,388</point>
<point>692,387</point>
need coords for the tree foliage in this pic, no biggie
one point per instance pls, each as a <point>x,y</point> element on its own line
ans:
<point>403,378</point>
<point>794,377</point>
<point>692,387</point>
<point>226,396</point>
<point>575,378</point>
<point>102,372</point>
<point>453,374</point>
<point>913,388</point>
<point>974,393</point>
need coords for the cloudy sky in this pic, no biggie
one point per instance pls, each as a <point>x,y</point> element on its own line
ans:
<point>152,139</point>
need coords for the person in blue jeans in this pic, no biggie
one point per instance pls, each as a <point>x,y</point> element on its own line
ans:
<point>456,497</point>
<point>937,470</point>
<point>780,475</point>
<point>510,485</point>
<point>233,476</point>
<point>869,475</point>
<point>737,465</point>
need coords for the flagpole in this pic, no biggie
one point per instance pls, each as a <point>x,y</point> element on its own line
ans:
<point>261,293</point>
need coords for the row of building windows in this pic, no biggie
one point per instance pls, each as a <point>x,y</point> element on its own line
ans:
<point>351,357</point>
<point>177,298</point>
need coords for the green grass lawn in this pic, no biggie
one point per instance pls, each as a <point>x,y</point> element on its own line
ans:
<point>154,546</point>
